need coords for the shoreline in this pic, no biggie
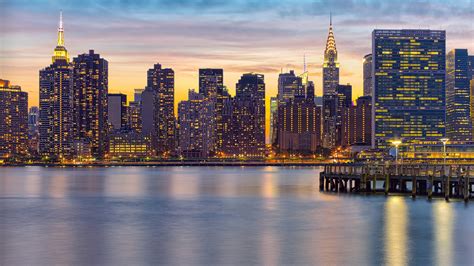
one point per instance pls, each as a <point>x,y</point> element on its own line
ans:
<point>171,163</point>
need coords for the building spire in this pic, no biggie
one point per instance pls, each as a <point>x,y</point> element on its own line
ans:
<point>330,53</point>
<point>60,51</point>
<point>60,30</point>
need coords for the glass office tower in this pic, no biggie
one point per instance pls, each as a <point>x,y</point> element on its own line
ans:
<point>458,113</point>
<point>409,85</point>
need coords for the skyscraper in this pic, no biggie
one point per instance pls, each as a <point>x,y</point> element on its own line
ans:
<point>409,85</point>
<point>458,120</point>
<point>273,120</point>
<point>471,66</point>
<point>56,103</point>
<point>363,127</point>
<point>33,130</point>
<point>147,113</point>
<point>13,120</point>
<point>211,81</point>
<point>211,86</point>
<point>248,117</point>
<point>196,126</point>
<point>137,95</point>
<point>117,110</point>
<point>329,120</point>
<point>33,117</point>
<point>330,65</point>
<point>90,101</point>
<point>343,102</point>
<point>161,81</point>
<point>134,116</point>
<point>299,127</point>
<point>290,86</point>
<point>367,69</point>
<point>356,123</point>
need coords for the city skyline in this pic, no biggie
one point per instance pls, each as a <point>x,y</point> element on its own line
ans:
<point>217,37</point>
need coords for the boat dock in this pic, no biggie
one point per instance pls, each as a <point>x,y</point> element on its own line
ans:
<point>448,181</point>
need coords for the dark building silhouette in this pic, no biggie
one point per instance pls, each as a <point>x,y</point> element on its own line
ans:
<point>117,110</point>
<point>13,120</point>
<point>90,101</point>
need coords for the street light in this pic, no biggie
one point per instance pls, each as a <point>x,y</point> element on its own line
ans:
<point>396,143</point>
<point>444,141</point>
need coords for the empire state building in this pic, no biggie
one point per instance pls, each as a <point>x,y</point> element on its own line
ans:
<point>56,100</point>
<point>330,65</point>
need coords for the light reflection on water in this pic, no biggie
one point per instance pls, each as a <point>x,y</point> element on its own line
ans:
<point>396,244</point>
<point>216,216</point>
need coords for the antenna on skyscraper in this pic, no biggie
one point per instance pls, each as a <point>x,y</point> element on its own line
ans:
<point>330,18</point>
<point>304,63</point>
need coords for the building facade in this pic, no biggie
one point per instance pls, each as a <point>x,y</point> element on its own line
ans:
<point>290,86</point>
<point>56,104</point>
<point>161,82</point>
<point>13,120</point>
<point>196,120</point>
<point>245,124</point>
<point>117,110</point>
<point>90,101</point>
<point>458,113</point>
<point>367,72</point>
<point>299,126</point>
<point>211,86</point>
<point>409,85</point>
<point>128,144</point>
<point>356,123</point>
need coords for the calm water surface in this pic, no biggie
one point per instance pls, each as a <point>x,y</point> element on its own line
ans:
<point>218,216</point>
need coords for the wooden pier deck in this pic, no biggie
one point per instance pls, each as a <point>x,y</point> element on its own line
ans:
<point>450,181</point>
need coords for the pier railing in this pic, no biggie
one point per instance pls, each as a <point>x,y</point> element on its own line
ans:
<point>449,181</point>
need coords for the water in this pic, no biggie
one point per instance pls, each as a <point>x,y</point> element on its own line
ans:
<point>218,216</point>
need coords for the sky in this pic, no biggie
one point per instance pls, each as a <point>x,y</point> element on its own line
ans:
<point>262,36</point>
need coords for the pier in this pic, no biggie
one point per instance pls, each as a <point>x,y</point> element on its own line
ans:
<point>448,181</point>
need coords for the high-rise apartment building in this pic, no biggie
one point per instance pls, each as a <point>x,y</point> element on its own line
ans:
<point>211,86</point>
<point>161,82</point>
<point>409,85</point>
<point>196,119</point>
<point>90,101</point>
<point>247,126</point>
<point>13,120</point>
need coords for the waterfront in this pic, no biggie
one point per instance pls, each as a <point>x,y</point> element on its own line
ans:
<point>218,215</point>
